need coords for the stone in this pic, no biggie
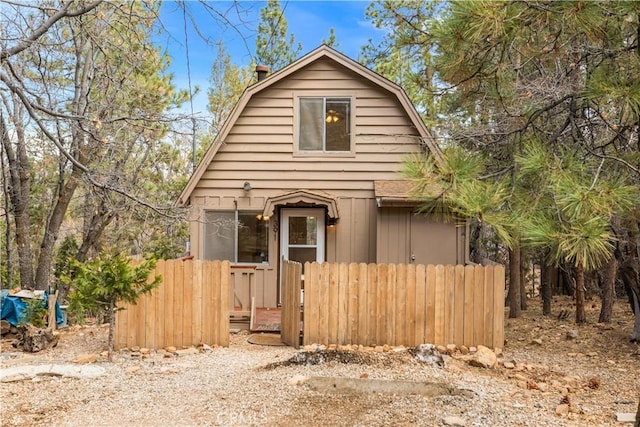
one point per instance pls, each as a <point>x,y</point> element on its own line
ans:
<point>5,327</point>
<point>536,341</point>
<point>27,372</point>
<point>428,353</point>
<point>297,380</point>
<point>451,348</point>
<point>453,421</point>
<point>207,348</point>
<point>484,358</point>
<point>625,417</point>
<point>145,350</point>
<point>132,369</point>
<point>85,358</point>
<point>509,365</point>
<point>135,349</point>
<point>187,351</point>
<point>543,387</point>
<point>442,349</point>
<point>562,409</point>
<point>170,349</point>
<point>572,334</point>
<point>464,349</point>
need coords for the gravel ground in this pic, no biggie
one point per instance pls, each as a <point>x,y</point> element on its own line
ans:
<point>544,379</point>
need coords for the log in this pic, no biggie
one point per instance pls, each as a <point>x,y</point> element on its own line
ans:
<point>33,340</point>
<point>51,304</point>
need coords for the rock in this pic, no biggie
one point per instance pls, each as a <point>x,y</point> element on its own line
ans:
<point>451,348</point>
<point>536,341</point>
<point>132,369</point>
<point>543,387</point>
<point>572,334</point>
<point>207,348</point>
<point>562,409</point>
<point>85,358</point>
<point>187,351</point>
<point>625,417</point>
<point>442,349</point>
<point>472,349</point>
<point>135,349</point>
<point>509,365</point>
<point>484,358</point>
<point>297,380</point>
<point>171,349</point>
<point>145,350</point>
<point>464,349</point>
<point>520,377</point>
<point>453,421</point>
<point>428,353</point>
<point>5,327</point>
<point>27,372</point>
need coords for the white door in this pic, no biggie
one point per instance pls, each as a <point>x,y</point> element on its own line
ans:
<point>302,235</point>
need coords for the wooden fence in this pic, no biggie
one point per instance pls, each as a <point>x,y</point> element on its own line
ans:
<point>190,307</point>
<point>290,314</point>
<point>377,304</point>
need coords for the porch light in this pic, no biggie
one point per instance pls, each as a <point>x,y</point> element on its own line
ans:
<point>246,186</point>
<point>258,217</point>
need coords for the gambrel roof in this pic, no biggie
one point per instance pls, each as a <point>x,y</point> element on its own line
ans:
<point>322,52</point>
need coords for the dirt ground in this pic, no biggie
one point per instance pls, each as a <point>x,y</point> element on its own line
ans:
<point>552,372</point>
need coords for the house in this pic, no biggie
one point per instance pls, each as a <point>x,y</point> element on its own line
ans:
<point>307,168</point>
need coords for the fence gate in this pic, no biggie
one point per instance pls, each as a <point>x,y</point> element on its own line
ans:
<point>291,306</point>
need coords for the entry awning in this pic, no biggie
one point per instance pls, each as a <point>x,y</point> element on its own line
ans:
<point>302,197</point>
<point>395,194</point>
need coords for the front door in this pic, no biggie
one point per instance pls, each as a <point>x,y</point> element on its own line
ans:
<point>302,235</point>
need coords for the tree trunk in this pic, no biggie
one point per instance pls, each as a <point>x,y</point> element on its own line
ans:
<point>20,192</point>
<point>608,290</point>
<point>514,283</point>
<point>112,327</point>
<point>52,228</point>
<point>581,316</point>
<point>523,282</point>
<point>546,291</point>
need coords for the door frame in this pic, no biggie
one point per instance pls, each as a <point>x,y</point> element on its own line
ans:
<point>283,247</point>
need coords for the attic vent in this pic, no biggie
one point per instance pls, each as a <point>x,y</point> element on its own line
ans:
<point>262,71</point>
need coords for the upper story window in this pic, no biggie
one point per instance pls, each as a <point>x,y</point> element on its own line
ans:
<point>324,124</point>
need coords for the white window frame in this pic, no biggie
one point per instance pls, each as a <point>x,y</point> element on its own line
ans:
<point>352,126</point>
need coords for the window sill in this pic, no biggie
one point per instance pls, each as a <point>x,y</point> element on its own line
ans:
<point>325,154</point>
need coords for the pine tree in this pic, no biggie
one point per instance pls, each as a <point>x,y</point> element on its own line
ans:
<point>274,48</point>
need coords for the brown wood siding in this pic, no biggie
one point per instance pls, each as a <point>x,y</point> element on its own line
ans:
<point>259,147</point>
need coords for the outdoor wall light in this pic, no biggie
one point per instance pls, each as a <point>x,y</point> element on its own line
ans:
<point>246,186</point>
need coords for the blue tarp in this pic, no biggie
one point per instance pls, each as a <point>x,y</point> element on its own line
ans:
<point>12,308</point>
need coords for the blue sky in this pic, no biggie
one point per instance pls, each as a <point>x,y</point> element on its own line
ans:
<point>309,21</point>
